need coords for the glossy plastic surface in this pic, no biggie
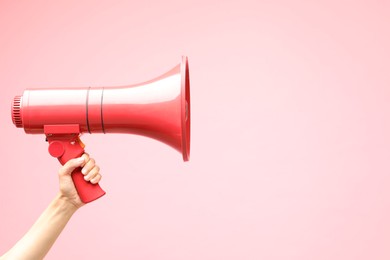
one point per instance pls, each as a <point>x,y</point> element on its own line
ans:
<point>159,109</point>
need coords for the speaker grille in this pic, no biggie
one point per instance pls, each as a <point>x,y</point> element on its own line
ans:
<point>17,112</point>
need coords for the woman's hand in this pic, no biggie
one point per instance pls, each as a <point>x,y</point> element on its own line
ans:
<point>39,239</point>
<point>90,171</point>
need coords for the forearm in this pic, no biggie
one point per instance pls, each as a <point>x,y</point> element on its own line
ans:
<point>39,239</point>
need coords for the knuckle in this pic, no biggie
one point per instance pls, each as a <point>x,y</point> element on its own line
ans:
<point>94,173</point>
<point>98,177</point>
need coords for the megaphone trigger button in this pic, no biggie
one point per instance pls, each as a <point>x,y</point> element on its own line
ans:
<point>56,149</point>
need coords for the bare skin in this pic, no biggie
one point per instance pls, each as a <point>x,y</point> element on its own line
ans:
<point>36,243</point>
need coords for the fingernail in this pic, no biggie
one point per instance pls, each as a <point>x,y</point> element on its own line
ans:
<point>86,178</point>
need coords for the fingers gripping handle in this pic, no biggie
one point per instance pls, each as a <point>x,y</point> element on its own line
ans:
<point>87,191</point>
<point>68,147</point>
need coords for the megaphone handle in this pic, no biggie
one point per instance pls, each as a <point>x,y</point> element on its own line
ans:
<point>66,147</point>
<point>87,191</point>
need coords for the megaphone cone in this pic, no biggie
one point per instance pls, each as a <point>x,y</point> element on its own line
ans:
<point>159,109</point>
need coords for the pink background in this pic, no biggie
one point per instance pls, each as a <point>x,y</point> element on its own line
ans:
<point>290,128</point>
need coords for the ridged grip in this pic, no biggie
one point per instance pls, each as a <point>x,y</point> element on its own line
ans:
<point>17,111</point>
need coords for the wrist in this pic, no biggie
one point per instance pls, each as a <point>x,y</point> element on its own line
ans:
<point>66,204</point>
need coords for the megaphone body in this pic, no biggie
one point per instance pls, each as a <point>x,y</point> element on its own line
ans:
<point>159,109</point>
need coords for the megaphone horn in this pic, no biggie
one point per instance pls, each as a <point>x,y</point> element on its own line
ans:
<point>159,108</point>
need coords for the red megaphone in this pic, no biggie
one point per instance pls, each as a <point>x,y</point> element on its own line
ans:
<point>159,108</point>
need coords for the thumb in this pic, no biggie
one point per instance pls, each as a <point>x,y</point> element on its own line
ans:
<point>70,165</point>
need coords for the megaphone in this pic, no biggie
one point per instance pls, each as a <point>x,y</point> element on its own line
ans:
<point>159,109</point>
